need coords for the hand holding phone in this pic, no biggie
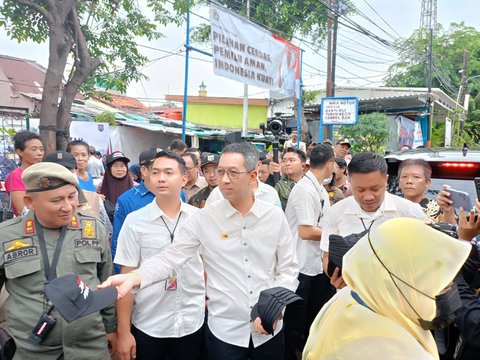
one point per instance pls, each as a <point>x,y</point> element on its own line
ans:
<point>477,187</point>
<point>460,199</point>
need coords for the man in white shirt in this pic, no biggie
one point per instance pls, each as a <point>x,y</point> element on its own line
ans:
<point>370,205</point>
<point>293,142</point>
<point>307,205</point>
<point>167,318</point>
<point>94,164</point>
<point>246,247</point>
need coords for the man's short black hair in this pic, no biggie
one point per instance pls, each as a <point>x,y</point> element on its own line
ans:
<point>367,162</point>
<point>266,161</point>
<point>300,153</point>
<point>77,142</point>
<point>20,139</point>
<point>427,169</point>
<point>191,156</point>
<point>167,154</point>
<point>320,155</point>
<point>178,145</point>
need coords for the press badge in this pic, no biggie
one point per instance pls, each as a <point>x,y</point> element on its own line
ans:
<point>171,283</point>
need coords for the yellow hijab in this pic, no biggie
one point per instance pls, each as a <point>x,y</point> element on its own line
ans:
<point>425,258</point>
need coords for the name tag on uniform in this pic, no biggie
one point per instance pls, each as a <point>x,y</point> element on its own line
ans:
<point>82,243</point>
<point>20,254</point>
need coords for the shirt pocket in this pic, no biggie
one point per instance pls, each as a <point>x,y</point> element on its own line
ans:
<point>21,268</point>
<point>86,262</point>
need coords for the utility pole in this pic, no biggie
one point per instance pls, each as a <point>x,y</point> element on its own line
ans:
<point>328,90</point>
<point>428,22</point>
<point>463,89</point>
<point>245,93</point>
<point>334,48</point>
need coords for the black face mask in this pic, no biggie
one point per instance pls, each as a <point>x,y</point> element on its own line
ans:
<point>447,305</point>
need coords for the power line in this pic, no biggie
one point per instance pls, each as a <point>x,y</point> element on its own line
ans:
<point>381,17</point>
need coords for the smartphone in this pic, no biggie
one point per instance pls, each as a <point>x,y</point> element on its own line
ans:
<point>460,199</point>
<point>477,187</point>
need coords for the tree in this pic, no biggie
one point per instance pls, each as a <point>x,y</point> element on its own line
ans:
<point>371,133</point>
<point>411,70</point>
<point>98,37</point>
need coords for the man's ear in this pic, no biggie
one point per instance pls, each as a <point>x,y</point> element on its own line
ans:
<point>253,177</point>
<point>184,179</point>
<point>28,201</point>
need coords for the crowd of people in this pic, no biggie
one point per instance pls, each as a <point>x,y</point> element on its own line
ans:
<point>191,241</point>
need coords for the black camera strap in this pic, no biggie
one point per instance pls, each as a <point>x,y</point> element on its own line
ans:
<point>50,269</point>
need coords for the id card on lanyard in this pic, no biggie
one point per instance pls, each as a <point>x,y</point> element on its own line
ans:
<point>171,282</point>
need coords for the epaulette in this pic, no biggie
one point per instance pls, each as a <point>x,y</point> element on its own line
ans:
<point>10,222</point>
<point>83,215</point>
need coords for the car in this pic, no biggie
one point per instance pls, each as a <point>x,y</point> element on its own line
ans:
<point>454,167</point>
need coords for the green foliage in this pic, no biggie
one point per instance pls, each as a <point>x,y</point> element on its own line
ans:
<point>106,117</point>
<point>448,45</point>
<point>371,133</point>
<point>285,18</point>
<point>310,97</point>
<point>111,29</point>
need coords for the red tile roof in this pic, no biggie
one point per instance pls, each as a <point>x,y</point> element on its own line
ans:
<point>122,101</point>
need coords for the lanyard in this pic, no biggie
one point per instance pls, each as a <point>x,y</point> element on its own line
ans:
<point>369,226</point>
<point>50,270</point>
<point>172,233</point>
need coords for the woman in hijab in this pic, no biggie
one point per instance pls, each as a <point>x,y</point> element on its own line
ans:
<point>116,180</point>
<point>398,277</point>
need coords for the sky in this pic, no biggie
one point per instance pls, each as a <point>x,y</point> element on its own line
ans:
<point>360,61</point>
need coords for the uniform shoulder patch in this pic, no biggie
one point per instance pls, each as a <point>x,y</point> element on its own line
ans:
<point>10,222</point>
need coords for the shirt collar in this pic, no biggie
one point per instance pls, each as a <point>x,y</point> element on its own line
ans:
<point>156,212</point>
<point>141,189</point>
<point>386,206</point>
<point>256,209</point>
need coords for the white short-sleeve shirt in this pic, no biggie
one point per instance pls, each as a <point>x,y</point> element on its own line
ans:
<point>345,217</point>
<point>307,204</point>
<point>156,311</point>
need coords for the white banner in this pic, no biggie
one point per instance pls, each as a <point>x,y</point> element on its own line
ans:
<point>93,133</point>
<point>245,52</point>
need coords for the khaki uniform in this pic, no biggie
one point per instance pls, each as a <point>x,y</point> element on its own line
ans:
<point>85,252</point>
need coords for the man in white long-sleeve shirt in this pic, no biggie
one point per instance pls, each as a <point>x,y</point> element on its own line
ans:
<point>246,247</point>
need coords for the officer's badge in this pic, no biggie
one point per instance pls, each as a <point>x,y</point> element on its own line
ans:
<point>171,283</point>
<point>224,235</point>
<point>44,182</point>
<point>29,227</point>
<point>89,230</point>
<point>16,244</point>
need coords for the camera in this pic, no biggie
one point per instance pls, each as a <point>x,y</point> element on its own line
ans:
<point>44,325</point>
<point>275,126</point>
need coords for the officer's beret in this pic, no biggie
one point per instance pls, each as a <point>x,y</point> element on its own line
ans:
<point>47,176</point>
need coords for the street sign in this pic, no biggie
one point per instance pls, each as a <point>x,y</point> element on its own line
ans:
<point>339,111</point>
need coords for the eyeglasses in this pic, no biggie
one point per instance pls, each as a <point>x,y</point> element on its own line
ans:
<point>232,174</point>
